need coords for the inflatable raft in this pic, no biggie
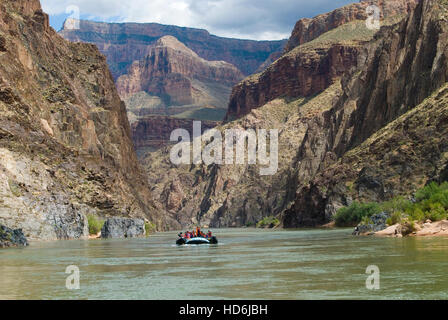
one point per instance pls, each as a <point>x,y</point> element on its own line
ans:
<point>197,240</point>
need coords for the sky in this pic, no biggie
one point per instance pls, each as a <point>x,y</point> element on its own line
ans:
<point>245,19</point>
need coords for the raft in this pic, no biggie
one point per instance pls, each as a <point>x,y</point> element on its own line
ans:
<point>197,240</point>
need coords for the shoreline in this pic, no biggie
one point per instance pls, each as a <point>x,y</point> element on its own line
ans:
<point>426,229</point>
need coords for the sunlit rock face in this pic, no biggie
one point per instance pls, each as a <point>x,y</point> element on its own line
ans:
<point>179,77</point>
<point>65,142</point>
<point>124,43</point>
<point>312,63</point>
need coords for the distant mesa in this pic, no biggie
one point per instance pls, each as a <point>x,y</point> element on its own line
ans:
<point>124,43</point>
<point>163,70</point>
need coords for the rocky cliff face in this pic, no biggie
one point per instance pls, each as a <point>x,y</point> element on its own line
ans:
<point>307,29</point>
<point>128,42</point>
<point>303,72</point>
<point>312,63</point>
<point>237,195</point>
<point>179,76</point>
<point>65,145</point>
<point>386,99</point>
<point>173,80</point>
<point>153,132</point>
<point>363,137</point>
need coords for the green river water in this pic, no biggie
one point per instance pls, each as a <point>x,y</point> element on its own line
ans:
<point>247,264</point>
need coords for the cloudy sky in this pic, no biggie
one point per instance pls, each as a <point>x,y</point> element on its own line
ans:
<point>249,19</point>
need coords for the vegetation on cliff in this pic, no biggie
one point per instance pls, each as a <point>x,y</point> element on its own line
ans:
<point>428,203</point>
<point>268,222</point>
<point>95,224</point>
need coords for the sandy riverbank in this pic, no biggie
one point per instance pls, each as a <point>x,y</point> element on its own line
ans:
<point>427,229</point>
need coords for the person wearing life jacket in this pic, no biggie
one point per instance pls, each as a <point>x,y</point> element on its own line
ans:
<point>209,234</point>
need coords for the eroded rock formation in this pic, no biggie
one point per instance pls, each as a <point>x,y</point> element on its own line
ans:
<point>128,42</point>
<point>368,136</point>
<point>12,238</point>
<point>307,29</point>
<point>179,76</point>
<point>313,61</point>
<point>383,130</point>
<point>123,228</point>
<point>65,144</point>
<point>153,132</point>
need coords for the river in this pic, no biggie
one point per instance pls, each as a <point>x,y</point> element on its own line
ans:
<point>246,264</point>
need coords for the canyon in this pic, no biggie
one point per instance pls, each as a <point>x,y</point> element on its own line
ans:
<point>169,72</point>
<point>124,43</point>
<point>308,67</point>
<point>362,94</point>
<point>179,79</point>
<point>65,140</point>
<point>361,115</point>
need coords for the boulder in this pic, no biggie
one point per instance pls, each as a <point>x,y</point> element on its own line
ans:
<point>438,228</point>
<point>12,238</point>
<point>392,231</point>
<point>123,228</point>
<point>377,223</point>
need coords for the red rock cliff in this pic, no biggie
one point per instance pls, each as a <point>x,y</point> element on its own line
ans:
<point>153,132</point>
<point>312,63</point>
<point>172,71</point>
<point>127,42</point>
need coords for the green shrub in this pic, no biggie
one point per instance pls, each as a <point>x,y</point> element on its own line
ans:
<point>95,224</point>
<point>150,228</point>
<point>432,190</point>
<point>431,202</point>
<point>397,204</point>
<point>355,213</point>
<point>270,222</point>
<point>366,220</point>
<point>416,214</point>
<point>436,212</point>
<point>395,217</point>
<point>408,227</point>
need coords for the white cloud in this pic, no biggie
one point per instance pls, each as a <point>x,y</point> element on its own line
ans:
<point>255,19</point>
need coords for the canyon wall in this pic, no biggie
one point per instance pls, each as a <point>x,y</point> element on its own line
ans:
<point>179,77</point>
<point>128,42</point>
<point>362,137</point>
<point>379,132</point>
<point>153,132</point>
<point>309,64</point>
<point>307,29</point>
<point>65,143</point>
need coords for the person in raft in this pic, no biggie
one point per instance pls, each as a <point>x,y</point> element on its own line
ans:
<point>195,233</point>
